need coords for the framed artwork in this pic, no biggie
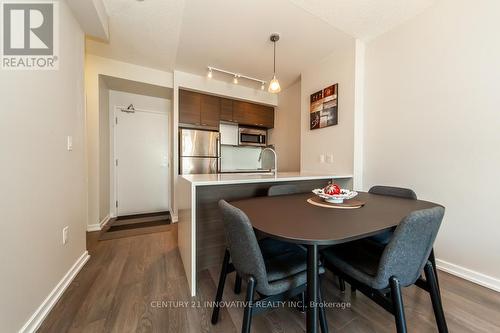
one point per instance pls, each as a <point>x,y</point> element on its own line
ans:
<point>324,107</point>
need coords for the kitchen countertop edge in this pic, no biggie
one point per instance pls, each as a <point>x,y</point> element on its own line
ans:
<point>227,179</point>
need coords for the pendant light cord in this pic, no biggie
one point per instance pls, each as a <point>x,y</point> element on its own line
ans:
<point>274,63</point>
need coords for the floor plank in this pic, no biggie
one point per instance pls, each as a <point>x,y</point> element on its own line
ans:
<point>123,285</point>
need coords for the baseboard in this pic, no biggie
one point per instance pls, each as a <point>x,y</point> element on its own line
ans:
<point>469,275</point>
<point>174,218</point>
<point>98,226</point>
<point>43,310</point>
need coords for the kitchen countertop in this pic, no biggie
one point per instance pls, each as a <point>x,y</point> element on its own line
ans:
<point>242,178</point>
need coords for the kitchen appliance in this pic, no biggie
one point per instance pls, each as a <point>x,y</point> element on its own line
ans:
<point>199,151</point>
<point>252,137</point>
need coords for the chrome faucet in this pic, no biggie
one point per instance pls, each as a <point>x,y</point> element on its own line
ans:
<point>275,170</point>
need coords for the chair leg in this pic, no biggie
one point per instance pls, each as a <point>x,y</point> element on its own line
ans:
<point>247,315</point>
<point>237,284</point>
<point>220,287</point>
<point>432,259</point>
<point>322,315</point>
<point>342,284</point>
<point>303,302</point>
<point>397,301</point>
<point>437,306</point>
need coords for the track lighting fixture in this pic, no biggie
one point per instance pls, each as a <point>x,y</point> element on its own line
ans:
<point>236,76</point>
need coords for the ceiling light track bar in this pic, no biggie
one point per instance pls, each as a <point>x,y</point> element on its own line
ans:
<point>236,75</point>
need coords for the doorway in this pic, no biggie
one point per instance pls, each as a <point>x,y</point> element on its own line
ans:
<point>141,161</point>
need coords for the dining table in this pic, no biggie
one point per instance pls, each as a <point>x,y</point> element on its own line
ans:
<point>292,218</point>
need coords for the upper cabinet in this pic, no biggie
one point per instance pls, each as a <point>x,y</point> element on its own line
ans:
<point>189,107</point>
<point>206,110</point>
<point>226,109</point>
<point>245,113</point>
<point>210,110</point>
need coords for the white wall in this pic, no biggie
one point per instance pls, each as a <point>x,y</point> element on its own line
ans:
<point>94,67</point>
<point>432,123</point>
<point>337,140</point>
<point>141,102</point>
<point>42,184</point>
<point>285,135</point>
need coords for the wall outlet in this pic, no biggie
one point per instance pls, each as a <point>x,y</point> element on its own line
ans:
<point>329,158</point>
<point>65,234</point>
<point>322,158</point>
<point>69,143</point>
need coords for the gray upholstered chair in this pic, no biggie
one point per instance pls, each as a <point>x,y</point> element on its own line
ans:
<point>275,270</point>
<point>399,192</point>
<point>380,272</point>
<point>274,190</point>
<point>384,237</point>
<point>284,189</point>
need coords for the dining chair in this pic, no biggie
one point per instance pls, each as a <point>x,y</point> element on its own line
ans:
<point>276,270</point>
<point>384,237</point>
<point>381,272</point>
<point>272,191</point>
<point>284,189</point>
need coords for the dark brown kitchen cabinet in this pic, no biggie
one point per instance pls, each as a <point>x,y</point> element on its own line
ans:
<point>206,110</point>
<point>250,114</point>
<point>226,109</point>
<point>210,110</point>
<point>189,107</point>
<point>267,116</point>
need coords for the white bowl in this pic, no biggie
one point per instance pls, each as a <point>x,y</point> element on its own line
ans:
<point>335,198</point>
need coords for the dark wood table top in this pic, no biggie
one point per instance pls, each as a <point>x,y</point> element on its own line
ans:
<point>293,219</point>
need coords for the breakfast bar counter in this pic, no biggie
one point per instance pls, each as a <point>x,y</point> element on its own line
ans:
<point>201,233</point>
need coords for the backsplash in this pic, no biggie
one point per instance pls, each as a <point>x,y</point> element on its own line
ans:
<point>240,158</point>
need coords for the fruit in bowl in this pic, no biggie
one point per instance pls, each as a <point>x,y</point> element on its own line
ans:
<point>331,189</point>
<point>334,194</point>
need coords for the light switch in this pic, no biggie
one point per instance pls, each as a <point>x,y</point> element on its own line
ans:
<point>329,158</point>
<point>322,158</point>
<point>70,143</point>
<point>65,234</point>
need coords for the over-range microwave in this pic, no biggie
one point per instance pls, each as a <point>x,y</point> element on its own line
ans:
<point>252,137</point>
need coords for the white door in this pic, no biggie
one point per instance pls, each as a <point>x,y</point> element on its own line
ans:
<point>141,166</point>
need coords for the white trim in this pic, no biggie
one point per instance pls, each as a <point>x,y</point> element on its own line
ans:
<point>98,226</point>
<point>43,310</point>
<point>469,275</point>
<point>359,93</point>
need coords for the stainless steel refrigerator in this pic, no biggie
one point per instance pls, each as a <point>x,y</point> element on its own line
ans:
<point>199,151</point>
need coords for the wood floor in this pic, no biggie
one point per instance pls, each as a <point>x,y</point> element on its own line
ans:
<point>119,288</point>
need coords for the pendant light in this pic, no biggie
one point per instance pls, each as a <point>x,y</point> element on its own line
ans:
<point>274,85</point>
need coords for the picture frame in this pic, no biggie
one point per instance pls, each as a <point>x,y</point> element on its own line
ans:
<point>323,111</point>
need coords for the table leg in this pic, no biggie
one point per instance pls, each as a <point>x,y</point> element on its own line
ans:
<point>312,288</point>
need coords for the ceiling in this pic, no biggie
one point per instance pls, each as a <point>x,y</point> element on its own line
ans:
<point>364,19</point>
<point>190,35</point>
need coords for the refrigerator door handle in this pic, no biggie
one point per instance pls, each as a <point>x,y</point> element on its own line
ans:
<point>218,167</point>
